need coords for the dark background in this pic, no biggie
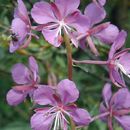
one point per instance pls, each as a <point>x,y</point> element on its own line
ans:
<point>89,78</point>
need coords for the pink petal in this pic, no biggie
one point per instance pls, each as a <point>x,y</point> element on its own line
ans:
<point>21,10</point>
<point>119,98</point>
<point>81,117</point>
<point>125,62</point>
<point>117,77</point>
<point>42,13</point>
<point>44,96</point>
<point>20,31</point>
<point>119,42</point>
<point>39,121</point>
<point>67,91</point>
<point>78,21</point>
<point>67,7</point>
<point>52,37</point>
<point>95,17</point>
<point>20,74</point>
<point>124,121</point>
<point>107,93</point>
<point>108,35</point>
<point>15,97</point>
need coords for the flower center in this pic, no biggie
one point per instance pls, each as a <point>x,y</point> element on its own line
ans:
<point>59,117</point>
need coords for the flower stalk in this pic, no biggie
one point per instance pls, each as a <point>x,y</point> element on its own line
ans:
<point>69,55</point>
<point>90,62</point>
<point>99,116</point>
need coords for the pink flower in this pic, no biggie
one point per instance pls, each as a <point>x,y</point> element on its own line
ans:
<point>118,107</point>
<point>119,62</point>
<point>62,15</point>
<point>27,80</point>
<point>59,107</point>
<point>21,28</point>
<point>104,32</point>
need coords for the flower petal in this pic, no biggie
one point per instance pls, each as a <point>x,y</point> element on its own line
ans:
<point>42,13</point>
<point>21,10</point>
<point>115,75</point>
<point>107,93</point>
<point>33,67</point>
<point>108,35</point>
<point>125,62</point>
<point>102,2</point>
<point>52,37</point>
<point>119,98</point>
<point>95,17</point>
<point>67,7</point>
<point>78,21</point>
<point>15,97</point>
<point>124,121</point>
<point>80,116</point>
<point>20,31</point>
<point>67,91</point>
<point>44,96</point>
<point>119,42</point>
<point>20,74</point>
<point>39,121</point>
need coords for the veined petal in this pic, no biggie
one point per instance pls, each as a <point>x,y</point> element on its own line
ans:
<point>108,35</point>
<point>44,96</point>
<point>15,97</point>
<point>95,17</point>
<point>80,116</point>
<point>124,121</point>
<point>20,31</point>
<point>119,42</point>
<point>67,91</point>
<point>107,93</point>
<point>42,13</point>
<point>67,7</point>
<point>41,121</point>
<point>21,10</point>
<point>119,98</point>
<point>78,21</point>
<point>20,74</point>
<point>52,37</point>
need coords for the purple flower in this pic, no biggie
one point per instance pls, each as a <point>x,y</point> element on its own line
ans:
<point>105,32</point>
<point>59,107</point>
<point>27,80</point>
<point>21,28</point>
<point>119,61</point>
<point>118,107</point>
<point>62,15</point>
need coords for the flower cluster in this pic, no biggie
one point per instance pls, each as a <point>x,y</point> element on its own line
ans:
<point>62,22</point>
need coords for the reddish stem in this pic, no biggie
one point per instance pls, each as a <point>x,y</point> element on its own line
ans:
<point>91,62</point>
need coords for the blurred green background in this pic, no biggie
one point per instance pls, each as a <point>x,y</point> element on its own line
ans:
<point>52,61</point>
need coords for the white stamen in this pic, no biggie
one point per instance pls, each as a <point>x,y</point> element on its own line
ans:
<point>120,66</point>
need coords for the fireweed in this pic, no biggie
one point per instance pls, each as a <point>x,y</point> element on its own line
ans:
<point>62,22</point>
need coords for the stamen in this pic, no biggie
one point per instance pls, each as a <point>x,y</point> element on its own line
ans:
<point>120,66</point>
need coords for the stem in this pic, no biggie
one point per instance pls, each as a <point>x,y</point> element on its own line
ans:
<point>110,123</point>
<point>69,55</point>
<point>99,116</point>
<point>91,62</point>
<point>72,124</point>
